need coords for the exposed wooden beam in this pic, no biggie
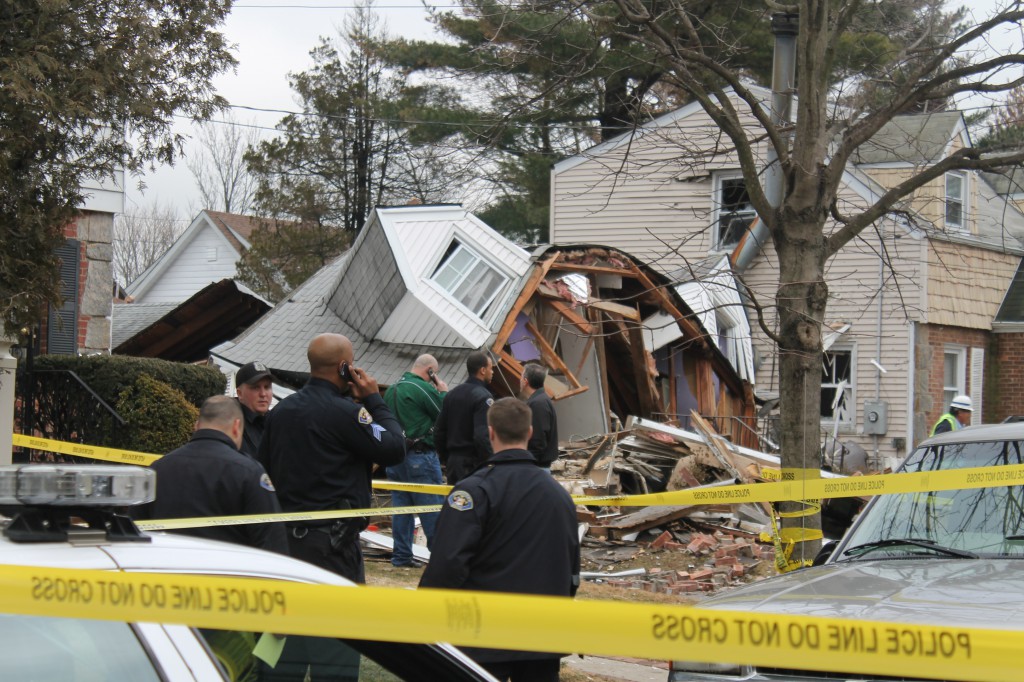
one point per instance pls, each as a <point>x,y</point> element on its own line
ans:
<point>550,356</point>
<point>726,370</point>
<point>617,308</point>
<point>227,308</point>
<point>595,269</point>
<point>540,270</point>
<point>566,311</point>
<point>645,389</point>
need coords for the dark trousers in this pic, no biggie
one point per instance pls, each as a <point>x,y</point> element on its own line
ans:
<point>458,468</point>
<point>536,670</point>
<point>314,546</point>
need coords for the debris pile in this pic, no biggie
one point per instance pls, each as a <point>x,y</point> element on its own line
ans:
<point>716,545</point>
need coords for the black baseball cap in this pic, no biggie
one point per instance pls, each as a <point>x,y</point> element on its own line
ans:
<point>251,373</point>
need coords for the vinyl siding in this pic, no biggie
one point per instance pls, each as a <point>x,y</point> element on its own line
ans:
<point>192,270</point>
<point>648,198</point>
<point>642,199</point>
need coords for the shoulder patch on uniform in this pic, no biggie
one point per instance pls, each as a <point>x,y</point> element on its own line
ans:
<point>460,500</point>
<point>490,401</point>
<point>364,416</point>
<point>266,484</point>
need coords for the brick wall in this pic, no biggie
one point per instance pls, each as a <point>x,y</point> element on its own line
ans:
<point>94,231</point>
<point>1005,377</point>
<point>932,341</point>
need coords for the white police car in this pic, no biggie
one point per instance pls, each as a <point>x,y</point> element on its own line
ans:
<point>62,518</point>
<point>951,558</point>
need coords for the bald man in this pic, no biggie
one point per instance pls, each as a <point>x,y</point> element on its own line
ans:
<point>320,444</point>
<point>416,401</point>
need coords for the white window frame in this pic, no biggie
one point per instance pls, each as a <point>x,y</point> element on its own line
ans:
<point>847,419</point>
<point>480,309</point>
<point>960,226</point>
<point>716,236</point>
<point>959,385</point>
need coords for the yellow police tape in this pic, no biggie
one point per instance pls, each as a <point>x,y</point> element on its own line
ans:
<point>90,451</point>
<point>778,491</point>
<point>525,622</point>
<point>206,521</point>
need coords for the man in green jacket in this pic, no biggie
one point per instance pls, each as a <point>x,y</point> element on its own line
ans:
<point>959,416</point>
<point>415,400</point>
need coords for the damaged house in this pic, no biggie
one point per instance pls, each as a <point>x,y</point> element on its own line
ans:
<point>618,340</point>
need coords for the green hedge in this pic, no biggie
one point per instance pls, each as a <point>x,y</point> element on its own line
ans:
<point>158,418</point>
<point>156,398</point>
<point>108,375</point>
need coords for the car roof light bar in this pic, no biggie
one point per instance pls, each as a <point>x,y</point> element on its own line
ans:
<point>76,485</point>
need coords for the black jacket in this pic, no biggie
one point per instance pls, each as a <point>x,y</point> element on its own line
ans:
<point>209,477</point>
<point>320,446</point>
<point>543,443</point>
<point>508,527</point>
<point>252,435</point>
<point>461,429</point>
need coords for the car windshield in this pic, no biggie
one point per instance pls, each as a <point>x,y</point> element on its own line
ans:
<point>987,522</point>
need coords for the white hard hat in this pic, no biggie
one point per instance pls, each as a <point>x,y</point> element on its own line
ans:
<point>962,402</point>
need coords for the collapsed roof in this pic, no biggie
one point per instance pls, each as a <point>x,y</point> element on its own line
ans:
<point>617,337</point>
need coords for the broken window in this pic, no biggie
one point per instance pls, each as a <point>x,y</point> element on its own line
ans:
<point>735,212</point>
<point>837,385</point>
<point>469,278</point>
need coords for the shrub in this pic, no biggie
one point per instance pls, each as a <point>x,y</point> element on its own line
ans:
<point>109,374</point>
<point>158,418</point>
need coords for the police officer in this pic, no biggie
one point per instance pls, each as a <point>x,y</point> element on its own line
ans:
<point>959,416</point>
<point>322,445</point>
<point>543,443</point>
<point>461,430</point>
<point>254,387</point>
<point>208,476</point>
<point>508,527</point>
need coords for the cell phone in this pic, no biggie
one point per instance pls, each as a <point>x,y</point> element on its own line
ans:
<point>431,375</point>
<point>344,372</point>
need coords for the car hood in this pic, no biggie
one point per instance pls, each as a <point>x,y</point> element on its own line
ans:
<point>966,592</point>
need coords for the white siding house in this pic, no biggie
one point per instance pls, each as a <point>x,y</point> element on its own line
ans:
<point>671,193</point>
<point>206,252</point>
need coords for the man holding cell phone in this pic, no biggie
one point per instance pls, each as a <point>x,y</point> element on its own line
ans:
<point>415,400</point>
<point>322,442</point>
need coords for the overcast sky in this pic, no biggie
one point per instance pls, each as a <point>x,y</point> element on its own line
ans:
<point>272,38</point>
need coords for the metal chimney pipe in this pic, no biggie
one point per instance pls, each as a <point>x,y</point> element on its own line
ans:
<point>784,28</point>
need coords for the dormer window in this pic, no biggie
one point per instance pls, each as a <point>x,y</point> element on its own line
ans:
<point>469,279</point>
<point>734,212</point>
<point>956,201</point>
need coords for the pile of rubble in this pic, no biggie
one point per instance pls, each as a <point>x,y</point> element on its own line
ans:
<point>716,545</point>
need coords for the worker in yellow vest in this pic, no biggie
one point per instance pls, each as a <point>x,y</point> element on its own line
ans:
<point>959,416</point>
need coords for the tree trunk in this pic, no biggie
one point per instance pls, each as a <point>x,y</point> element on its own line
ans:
<point>802,298</point>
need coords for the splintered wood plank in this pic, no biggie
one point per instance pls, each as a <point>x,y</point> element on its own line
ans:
<point>648,517</point>
<point>617,308</point>
<point>540,270</point>
<point>566,311</point>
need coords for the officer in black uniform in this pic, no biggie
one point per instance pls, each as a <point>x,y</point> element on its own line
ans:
<point>208,476</point>
<point>320,445</point>
<point>460,434</point>
<point>508,527</point>
<point>543,443</point>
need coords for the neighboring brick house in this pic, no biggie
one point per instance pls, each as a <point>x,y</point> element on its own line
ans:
<point>81,326</point>
<point>902,340</point>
